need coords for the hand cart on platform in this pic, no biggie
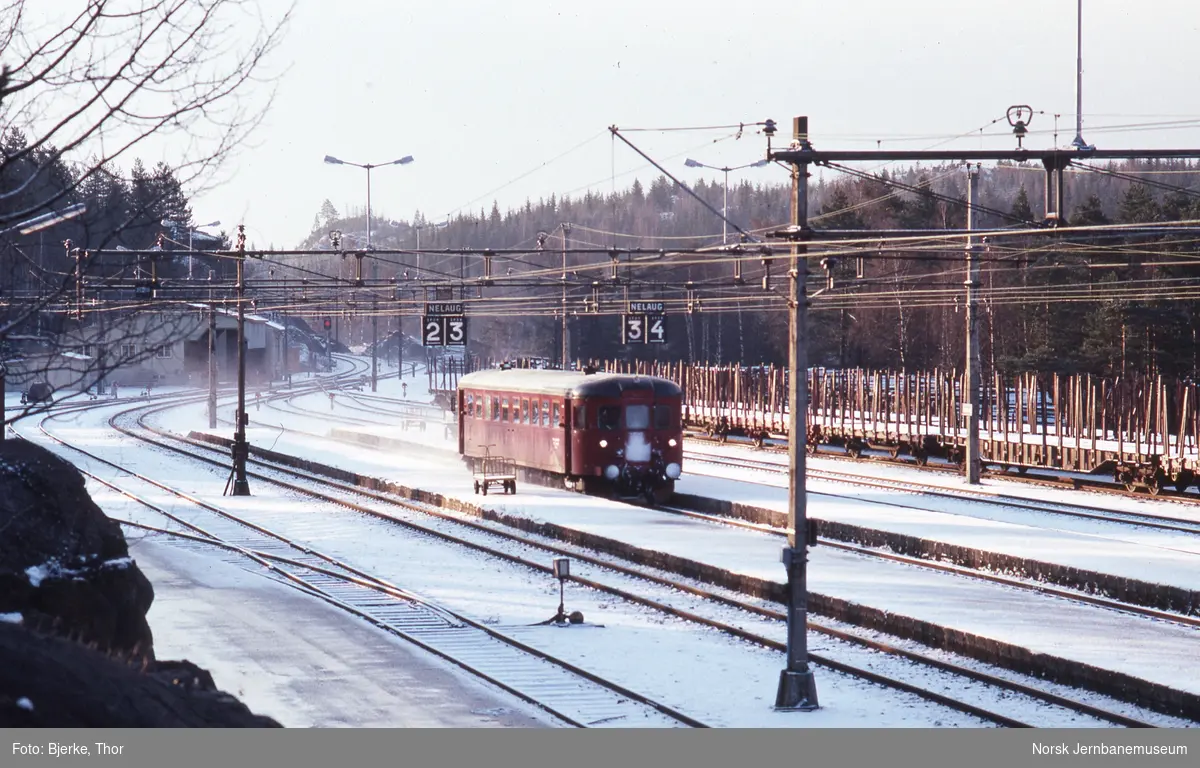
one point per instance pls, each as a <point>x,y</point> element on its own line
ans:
<point>491,470</point>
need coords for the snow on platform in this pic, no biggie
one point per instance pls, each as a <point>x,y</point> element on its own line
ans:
<point>1156,651</point>
<point>634,645</point>
<point>302,661</point>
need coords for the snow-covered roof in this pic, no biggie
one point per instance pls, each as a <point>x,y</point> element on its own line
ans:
<point>250,318</point>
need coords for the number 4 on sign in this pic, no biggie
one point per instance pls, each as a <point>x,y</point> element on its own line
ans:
<point>656,329</point>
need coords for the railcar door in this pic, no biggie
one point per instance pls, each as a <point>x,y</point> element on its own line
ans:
<point>565,430</point>
<point>464,418</point>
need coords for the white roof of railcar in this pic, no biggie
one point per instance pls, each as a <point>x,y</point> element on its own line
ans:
<point>562,383</point>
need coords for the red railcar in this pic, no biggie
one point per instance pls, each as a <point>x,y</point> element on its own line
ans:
<point>598,432</point>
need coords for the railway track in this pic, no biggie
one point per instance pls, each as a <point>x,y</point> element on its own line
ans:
<point>1030,476</point>
<point>772,618</point>
<point>1076,510</point>
<point>1028,584</point>
<point>1082,511</point>
<point>574,695</point>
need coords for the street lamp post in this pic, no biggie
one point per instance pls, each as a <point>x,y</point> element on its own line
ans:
<point>331,160</point>
<point>690,163</point>
<point>191,231</point>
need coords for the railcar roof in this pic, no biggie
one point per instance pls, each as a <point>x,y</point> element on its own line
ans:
<point>567,383</point>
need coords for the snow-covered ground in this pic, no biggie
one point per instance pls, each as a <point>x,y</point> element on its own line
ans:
<point>1153,650</point>
<point>736,688</point>
<point>302,661</point>
<point>1146,554</point>
<point>741,679</point>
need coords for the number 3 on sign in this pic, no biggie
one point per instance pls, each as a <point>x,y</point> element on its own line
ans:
<point>456,330</point>
<point>633,329</point>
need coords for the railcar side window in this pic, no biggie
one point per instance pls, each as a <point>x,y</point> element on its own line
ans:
<point>504,409</point>
<point>637,417</point>
<point>580,417</point>
<point>609,417</point>
<point>546,413</point>
<point>524,411</point>
<point>662,417</point>
<point>533,413</point>
<point>495,409</point>
<point>557,415</point>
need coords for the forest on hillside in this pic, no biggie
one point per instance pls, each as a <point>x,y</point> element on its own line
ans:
<point>123,211</point>
<point>1107,305</point>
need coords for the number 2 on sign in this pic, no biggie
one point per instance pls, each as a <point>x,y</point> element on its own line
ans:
<point>433,331</point>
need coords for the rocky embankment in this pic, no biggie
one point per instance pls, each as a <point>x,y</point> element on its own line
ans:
<point>75,647</point>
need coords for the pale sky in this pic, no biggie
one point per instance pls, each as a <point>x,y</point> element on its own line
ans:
<point>481,93</point>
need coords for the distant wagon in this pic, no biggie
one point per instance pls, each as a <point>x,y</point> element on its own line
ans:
<point>38,392</point>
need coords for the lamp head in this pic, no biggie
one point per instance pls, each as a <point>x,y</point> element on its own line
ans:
<point>690,163</point>
<point>404,160</point>
<point>333,160</point>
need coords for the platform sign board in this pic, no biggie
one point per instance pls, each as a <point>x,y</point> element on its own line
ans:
<point>443,308</point>
<point>645,322</point>
<point>444,324</point>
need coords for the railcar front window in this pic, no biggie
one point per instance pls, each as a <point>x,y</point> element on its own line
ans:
<point>580,417</point>
<point>662,417</point>
<point>546,414</point>
<point>533,413</point>
<point>470,405</point>
<point>557,415</point>
<point>495,409</point>
<point>610,417</point>
<point>524,411</point>
<point>637,417</point>
<point>504,409</point>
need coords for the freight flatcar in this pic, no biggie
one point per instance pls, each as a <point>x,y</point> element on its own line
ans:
<point>598,433</point>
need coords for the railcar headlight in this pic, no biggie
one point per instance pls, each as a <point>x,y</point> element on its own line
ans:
<point>603,443</point>
<point>674,470</point>
<point>672,442</point>
<point>611,471</point>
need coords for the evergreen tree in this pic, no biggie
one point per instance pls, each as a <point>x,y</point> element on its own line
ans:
<point>171,202</point>
<point>1020,207</point>
<point>1090,213</point>
<point>328,214</point>
<point>922,212</point>
<point>1138,205</point>
<point>836,213</point>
